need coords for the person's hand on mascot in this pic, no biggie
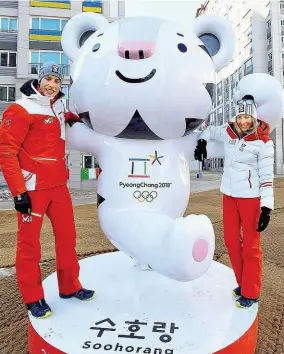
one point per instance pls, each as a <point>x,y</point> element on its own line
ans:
<point>200,152</point>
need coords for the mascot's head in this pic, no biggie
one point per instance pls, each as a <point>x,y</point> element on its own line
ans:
<point>145,78</point>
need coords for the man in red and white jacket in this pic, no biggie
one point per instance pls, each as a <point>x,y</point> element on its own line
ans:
<point>248,197</point>
<point>32,159</point>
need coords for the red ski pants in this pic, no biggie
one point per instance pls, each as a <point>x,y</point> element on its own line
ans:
<point>244,249</point>
<point>57,205</point>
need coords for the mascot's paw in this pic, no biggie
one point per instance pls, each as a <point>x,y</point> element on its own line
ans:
<point>191,245</point>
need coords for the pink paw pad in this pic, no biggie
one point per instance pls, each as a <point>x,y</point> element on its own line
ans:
<point>200,250</point>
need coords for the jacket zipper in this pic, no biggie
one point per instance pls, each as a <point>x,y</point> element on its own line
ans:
<point>249,179</point>
<point>44,158</point>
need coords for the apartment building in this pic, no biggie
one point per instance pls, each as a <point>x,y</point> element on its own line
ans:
<point>30,34</point>
<point>259,29</point>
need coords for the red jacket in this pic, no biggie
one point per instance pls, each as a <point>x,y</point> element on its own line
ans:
<point>32,141</point>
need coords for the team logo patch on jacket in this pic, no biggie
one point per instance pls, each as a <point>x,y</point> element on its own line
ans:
<point>232,142</point>
<point>48,120</point>
<point>242,147</point>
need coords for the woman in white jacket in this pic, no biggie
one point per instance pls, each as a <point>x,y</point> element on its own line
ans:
<point>247,187</point>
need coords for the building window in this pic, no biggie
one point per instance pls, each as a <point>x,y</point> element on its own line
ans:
<point>89,162</point>
<point>220,116</point>
<point>282,22</point>
<point>7,93</point>
<point>49,24</point>
<point>271,73</point>
<point>248,67</point>
<point>212,117</point>
<point>219,93</point>
<point>270,56</point>
<point>227,112</point>
<point>281,5</point>
<point>8,59</point>
<point>8,24</point>
<point>44,56</point>
<point>39,57</point>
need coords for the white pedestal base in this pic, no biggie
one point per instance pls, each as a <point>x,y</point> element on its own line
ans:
<point>198,317</point>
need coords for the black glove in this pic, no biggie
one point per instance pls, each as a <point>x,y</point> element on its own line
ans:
<point>263,219</point>
<point>200,153</point>
<point>23,203</point>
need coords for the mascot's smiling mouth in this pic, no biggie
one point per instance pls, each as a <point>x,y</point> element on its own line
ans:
<point>136,81</point>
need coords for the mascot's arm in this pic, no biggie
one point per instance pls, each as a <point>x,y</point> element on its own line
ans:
<point>215,147</point>
<point>82,138</point>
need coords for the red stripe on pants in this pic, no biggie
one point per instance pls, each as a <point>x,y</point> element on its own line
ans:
<point>244,250</point>
<point>57,205</point>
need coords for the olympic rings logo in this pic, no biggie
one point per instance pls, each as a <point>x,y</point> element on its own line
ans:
<point>145,195</point>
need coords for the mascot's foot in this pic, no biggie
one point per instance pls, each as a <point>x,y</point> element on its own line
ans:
<point>180,249</point>
<point>189,247</point>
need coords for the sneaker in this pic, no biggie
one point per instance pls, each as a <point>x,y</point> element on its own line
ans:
<point>45,305</point>
<point>39,309</point>
<point>82,294</point>
<point>237,292</point>
<point>245,303</point>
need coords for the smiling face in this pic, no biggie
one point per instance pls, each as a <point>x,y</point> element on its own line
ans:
<point>244,122</point>
<point>50,86</point>
<point>142,78</point>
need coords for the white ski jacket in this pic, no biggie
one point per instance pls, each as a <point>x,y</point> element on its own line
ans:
<point>249,161</point>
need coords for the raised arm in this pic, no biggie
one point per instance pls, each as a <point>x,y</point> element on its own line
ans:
<point>82,138</point>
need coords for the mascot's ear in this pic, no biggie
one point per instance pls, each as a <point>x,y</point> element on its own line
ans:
<point>77,30</point>
<point>218,38</point>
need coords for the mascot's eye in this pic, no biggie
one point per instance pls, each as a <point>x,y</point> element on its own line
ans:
<point>96,47</point>
<point>182,47</point>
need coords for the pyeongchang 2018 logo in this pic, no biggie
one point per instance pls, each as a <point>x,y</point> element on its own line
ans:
<point>142,165</point>
<point>139,169</point>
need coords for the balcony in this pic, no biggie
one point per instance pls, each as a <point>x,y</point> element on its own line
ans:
<point>8,71</point>
<point>269,32</point>
<point>92,6</point>
<point>45,35</point>
<point>8,39</point>
<point>8,4</point>
<point>270,66</point>
<point>34,69</point>
<point>57,4</point>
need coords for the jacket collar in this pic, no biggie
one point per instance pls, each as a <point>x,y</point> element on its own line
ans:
<point>260,133</point>
<point>30,91</point>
